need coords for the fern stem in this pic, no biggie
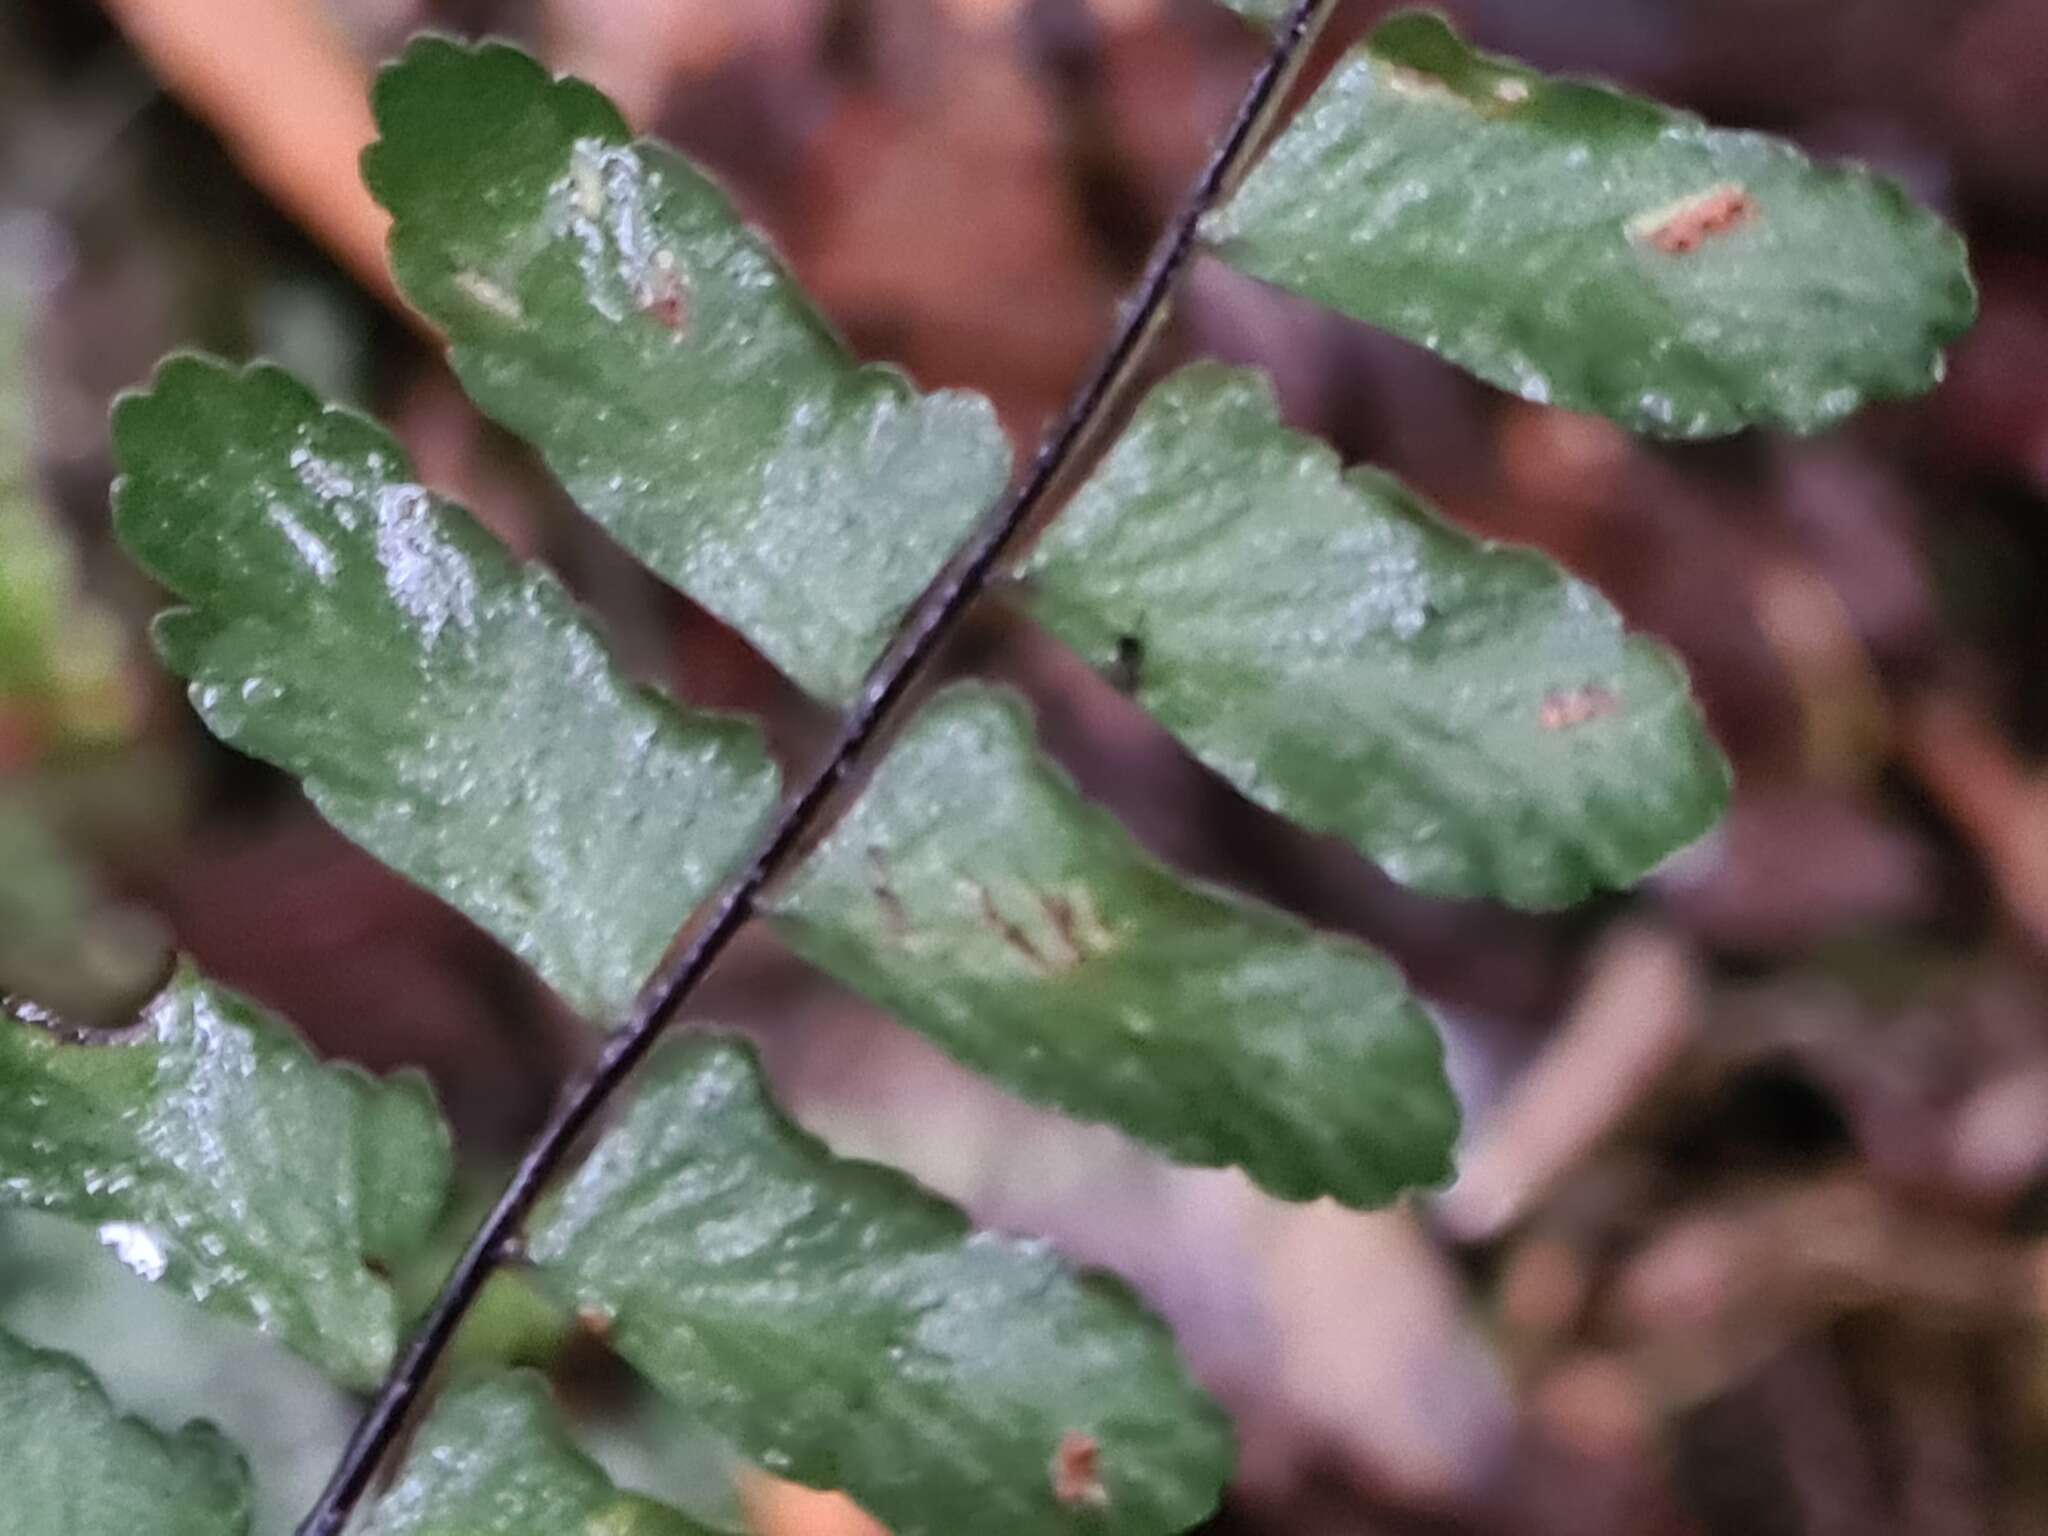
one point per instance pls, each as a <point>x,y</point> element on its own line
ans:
<point>924,630</point>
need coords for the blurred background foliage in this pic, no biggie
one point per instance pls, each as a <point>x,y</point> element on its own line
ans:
<point>1752,1235</point>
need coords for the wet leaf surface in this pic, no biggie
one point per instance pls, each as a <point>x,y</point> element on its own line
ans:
<point>1474,719</point>
<point>603,301</point>
<point>848,1330</point>
<point>1592,250</point>
<point>975,894</point>
<point>218,1158</point>
<point>447,708</point>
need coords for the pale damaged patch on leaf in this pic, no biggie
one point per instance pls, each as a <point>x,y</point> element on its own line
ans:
<point>488,295</point>
<point>1485,97</point>
<point>629,1516</point>
<point>1499,96</point>
<point>1417,85</point>
<point>1077,1472</point>
<point>1680,228</point>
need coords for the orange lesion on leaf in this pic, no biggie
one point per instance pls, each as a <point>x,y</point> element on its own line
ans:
<point>1076,1472</point>
<point>665,293</point>
<point>1680,228</point>
<point>1569,708</point>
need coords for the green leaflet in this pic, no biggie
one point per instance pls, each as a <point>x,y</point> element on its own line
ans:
<point>974,893</point>
<point>74,1466</point>
<point>219,1158</point>
<point>1591,250</point>
<point>494,1461</point>
<point>1474,719</point>
<point>602,301</point>
<point>848,1330</point>
<point>446,707</point>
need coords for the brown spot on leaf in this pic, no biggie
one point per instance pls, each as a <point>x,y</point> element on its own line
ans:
<point>894,917</point>
<point>1077,1472</point>
<point>1073,913</point>
<point>595,1321</point>
<point>1009,932</point>
<point>1680,228</point>
<point>1571,707</point>
<point>1060,930</point>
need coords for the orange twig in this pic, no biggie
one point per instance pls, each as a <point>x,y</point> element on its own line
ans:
<point>280,85</point>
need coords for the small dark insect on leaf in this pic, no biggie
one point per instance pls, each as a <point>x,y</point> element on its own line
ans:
<point>1127,670</point>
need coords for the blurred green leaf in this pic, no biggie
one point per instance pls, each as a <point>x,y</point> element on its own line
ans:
<point>1591,250</point>
<point>848,1330</point>
<point>45,899</point>
<point>60,656</point>
<point>75,1467</point>
<point>1472,718</point>
<point>216,1156</point>
<point>972,891</point>
<point>494,1460</point>
<point>446,707</point>
<point>603,302</point>
<point>1267,11</point>
<point>61,941</point>
<point>59,1289</point>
